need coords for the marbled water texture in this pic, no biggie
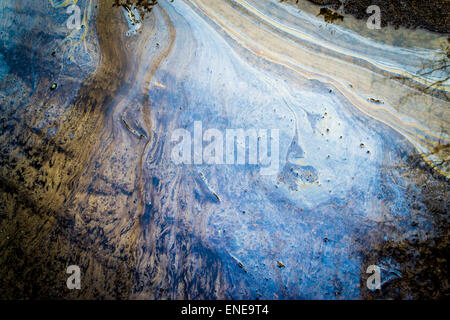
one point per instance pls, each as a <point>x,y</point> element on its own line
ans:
<point>87,176</point>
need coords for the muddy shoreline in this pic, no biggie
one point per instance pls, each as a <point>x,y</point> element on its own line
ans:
<point>431,15</point>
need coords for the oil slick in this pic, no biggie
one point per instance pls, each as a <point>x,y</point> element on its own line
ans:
<point>358,183</point>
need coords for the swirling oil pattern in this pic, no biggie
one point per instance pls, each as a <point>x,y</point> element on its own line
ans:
<point>88,178</point>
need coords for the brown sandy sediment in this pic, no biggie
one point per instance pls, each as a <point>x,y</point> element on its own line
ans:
<point>41,235</point>
<point>146,105</point>
<point>411,250</point>
<point>113,182</point>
